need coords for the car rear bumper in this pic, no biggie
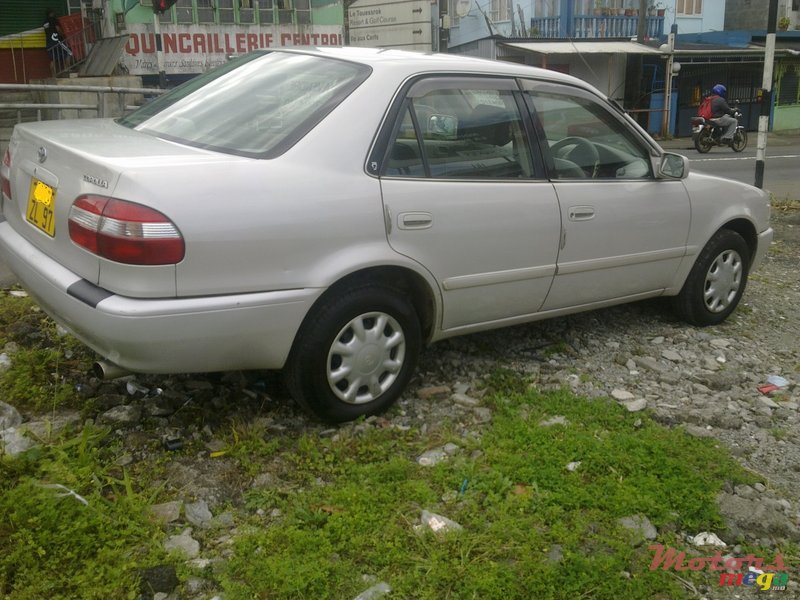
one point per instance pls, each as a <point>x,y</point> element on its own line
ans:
<point>170,335</point>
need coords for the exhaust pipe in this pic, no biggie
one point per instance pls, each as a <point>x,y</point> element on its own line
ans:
<point>106,370</point>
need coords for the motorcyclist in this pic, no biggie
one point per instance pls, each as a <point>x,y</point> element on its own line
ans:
<point>722,114</point>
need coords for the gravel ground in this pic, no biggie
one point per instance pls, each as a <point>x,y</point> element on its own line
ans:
<point>640,354</point>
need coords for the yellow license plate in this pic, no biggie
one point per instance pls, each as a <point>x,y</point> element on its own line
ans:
<point>42,207</point>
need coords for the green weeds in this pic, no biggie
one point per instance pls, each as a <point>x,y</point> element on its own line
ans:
<point>510,490</point>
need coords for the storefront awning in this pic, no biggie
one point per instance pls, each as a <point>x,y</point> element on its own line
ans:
<point>611,47</point>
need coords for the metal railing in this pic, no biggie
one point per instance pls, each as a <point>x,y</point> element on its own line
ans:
<point>99,106</point>
<point>76,47</point>
<point>590,26</point>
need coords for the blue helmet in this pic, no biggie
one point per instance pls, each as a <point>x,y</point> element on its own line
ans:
<point>720,90</point>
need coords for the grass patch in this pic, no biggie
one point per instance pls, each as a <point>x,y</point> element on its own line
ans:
<point>341,511</point>
<point>41,358</point>
<point>350,505</point>
<point>784,204</point>
<point>52,544</point>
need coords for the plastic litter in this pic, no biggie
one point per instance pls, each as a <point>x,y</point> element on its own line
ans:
<point>706,538</point>
<point>136,388</point>
<point>66,492</point>
<point>768,388</point>
<point>173,444</point>
<point>781,382</point>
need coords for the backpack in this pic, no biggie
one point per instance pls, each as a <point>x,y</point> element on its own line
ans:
<point>705,108</point>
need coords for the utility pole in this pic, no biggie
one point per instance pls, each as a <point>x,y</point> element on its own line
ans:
<point>766,94</point>
<point>637,60</point>
<point>668,81</point>
<point>162,76</point>
<point>641,32</point>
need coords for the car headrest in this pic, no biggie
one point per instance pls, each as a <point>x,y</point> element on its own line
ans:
<point>486,124</point>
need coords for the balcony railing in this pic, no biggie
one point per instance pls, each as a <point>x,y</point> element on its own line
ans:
<point>589,26</point>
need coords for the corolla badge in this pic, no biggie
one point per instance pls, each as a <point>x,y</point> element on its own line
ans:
<point>42,154</point>
<point>95,180</point>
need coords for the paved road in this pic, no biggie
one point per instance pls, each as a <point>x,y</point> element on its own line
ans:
<point>782,169</point>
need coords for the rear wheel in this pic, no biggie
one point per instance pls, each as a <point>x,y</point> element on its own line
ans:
<point>703,141</point>
<point>717,280</point>
<point>739,141</point>
<point>355,354</point>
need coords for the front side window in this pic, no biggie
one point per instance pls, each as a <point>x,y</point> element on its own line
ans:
<point>456,131</point>
<point>257,105</point>
<point>585,140</point>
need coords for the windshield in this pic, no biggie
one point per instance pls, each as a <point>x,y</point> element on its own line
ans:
<point>258,105</point>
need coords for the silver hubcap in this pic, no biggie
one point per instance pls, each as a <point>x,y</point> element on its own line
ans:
<point>723,280</point>
<point>366,357</point>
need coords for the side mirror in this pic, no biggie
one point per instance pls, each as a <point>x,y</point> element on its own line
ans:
<point>672,166</point>
<point>443,126</point>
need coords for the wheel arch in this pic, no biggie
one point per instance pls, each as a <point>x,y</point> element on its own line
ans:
<point>422,295</point>
<point>747,230</point>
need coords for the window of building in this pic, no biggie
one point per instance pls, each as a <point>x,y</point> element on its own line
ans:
<point>500,10</point>
<point>225,11</point>
<point>689,7</point>
<point>787,85</point>
<point>265,12</point>
<point>205,11</point>
<point>184,11</point>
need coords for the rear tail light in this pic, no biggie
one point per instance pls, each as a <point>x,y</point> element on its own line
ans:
<point>124,232</point>
<point>6,183</point>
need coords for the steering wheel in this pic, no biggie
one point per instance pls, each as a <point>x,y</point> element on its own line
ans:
<point>579,151</point>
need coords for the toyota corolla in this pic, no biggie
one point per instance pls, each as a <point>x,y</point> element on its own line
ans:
<point>328,212</point>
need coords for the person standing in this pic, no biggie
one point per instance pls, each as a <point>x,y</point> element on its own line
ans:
<point>59,52</point>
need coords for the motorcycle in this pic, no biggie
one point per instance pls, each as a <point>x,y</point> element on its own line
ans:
<point>706,133</point>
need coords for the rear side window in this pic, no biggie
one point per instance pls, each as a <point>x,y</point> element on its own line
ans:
<point>258,106</point>
<point>468,129</point>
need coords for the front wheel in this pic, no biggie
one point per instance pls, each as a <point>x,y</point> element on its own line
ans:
<point>739,141</point>
<point>716,282</point>
<point>703,141</point>
<point>355,354</point>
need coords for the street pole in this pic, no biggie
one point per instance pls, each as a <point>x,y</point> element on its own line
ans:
<point>162,76</point>
<point>668,82</point>
<point>766,94</point>
<point>641,31</point>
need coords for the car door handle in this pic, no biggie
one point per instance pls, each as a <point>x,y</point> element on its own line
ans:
<point>414,220</point>
<point>580,213</point>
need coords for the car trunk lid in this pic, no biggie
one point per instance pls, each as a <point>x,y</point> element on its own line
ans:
<point>53,163</point>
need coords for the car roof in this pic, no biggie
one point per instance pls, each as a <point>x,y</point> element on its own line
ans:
<point>405,63</point>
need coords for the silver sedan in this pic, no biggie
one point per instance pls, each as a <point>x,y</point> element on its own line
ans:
<point>328,212</point>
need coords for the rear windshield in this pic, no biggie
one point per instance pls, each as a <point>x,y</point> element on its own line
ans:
<point>257,105</point>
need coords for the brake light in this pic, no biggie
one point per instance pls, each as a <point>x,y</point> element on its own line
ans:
<point>124,231</point>
<point>6,183</point>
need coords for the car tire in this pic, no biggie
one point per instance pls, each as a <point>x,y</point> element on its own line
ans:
<point>355,354</point>
<point>703,141</point>
<point>716,282</point>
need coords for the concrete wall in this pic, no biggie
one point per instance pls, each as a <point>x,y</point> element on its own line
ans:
<point>786,117</point>
<point>752,14</point>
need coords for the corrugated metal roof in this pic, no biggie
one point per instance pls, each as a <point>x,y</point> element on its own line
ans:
<point>611,47</point>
